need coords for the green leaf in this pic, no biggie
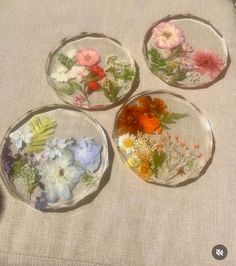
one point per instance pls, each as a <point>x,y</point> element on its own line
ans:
<point>111,89</point>
<point>70,88</point>
<point>172,117</point>
<point>66,61</point>
<point>127,74</point>
<point>42,129</point>
<point>158,159</point>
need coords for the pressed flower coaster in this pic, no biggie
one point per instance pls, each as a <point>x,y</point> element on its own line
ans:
<point>186,52</point>
<point>163,138</point>
<point>54,157</point>
<point>91,71</point>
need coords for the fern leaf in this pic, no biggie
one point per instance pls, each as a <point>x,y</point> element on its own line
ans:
<point>66,61</point>
<point>42,128</point>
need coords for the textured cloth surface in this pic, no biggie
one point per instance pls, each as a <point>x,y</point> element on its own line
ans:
<point>129,222</point>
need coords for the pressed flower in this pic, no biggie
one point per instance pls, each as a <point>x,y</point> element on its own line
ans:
<point>128,121</point>
<point>155,104</point>
<point>55,147</point>
<point>79,100</point>
<point>87,152</point>
<point>21,136</point>
<point>145,101</point>
<point>149,124</point>
<point>159,105</point>
<point>98,71</point>
<point>87,57</point>
<point>167,35</point>
<point>144,169</point>
<point>207,63</point>
<point>133,161</point>
<point>78,73</point>
<point>60,176</point>
<point>41,202</point>
<point>60,74</point>
<point>126,143</point>
<point>93,86</point>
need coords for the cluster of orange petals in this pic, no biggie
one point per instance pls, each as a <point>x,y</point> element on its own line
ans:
<point>142,116</point>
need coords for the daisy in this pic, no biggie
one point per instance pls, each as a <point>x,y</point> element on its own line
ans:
<point>126,143</point>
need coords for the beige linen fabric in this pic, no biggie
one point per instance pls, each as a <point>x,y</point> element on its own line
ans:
<point>129,222</point>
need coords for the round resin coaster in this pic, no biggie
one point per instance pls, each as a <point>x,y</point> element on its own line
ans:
<point>91,71</point>
<point>186,52</point>
<point>163,138</point>
<point>54,157</point>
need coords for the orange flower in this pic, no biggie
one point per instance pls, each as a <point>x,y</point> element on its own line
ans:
<point>128,120</point>
<point>145,101</point>
<point>142,116</point>
<point>155,104</point>
<point>149,124</point>
<point>159,105</point>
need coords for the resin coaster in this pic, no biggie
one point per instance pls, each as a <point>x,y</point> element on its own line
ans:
<point>163,138</point>
<point>54,157</point>
<point>91,71</point>
<point>186,52</point>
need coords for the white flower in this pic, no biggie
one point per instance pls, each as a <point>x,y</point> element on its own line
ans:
<point>78,72</point>
<point>22,135</point>
<point>126,143</point>
<point>63,75</point>
<point>55,147</point>
<point>60,74</point>
<point>60,176</point>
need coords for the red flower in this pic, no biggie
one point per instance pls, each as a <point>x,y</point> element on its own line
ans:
<point>98,71</point>
<point>93,86</point>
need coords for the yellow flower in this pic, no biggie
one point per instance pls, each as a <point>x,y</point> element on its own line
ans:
<point>133,161</point>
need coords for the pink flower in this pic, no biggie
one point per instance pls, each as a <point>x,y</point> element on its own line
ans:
<point>167,35</point>
<point>207,63</point>
<point>79,100</point>
<point>87,57</point>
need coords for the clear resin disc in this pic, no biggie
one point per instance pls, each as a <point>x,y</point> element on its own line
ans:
<point>163,138</point>
<point>54,157</point>
<point>186,52</point>
<point>91,71</point>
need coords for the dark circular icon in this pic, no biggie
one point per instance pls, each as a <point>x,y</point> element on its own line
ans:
<point>219,252</point>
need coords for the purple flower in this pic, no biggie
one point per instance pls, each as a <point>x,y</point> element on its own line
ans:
<point>87,152</point>
<point>7,158</point>
<point>41,202</point>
